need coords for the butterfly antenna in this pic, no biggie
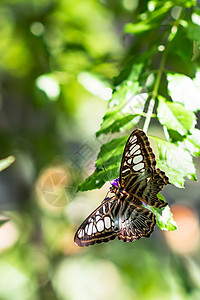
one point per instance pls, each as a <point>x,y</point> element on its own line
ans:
<point>106,174</point>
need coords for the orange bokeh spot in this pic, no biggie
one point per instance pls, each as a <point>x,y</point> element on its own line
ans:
<point>186,238</point>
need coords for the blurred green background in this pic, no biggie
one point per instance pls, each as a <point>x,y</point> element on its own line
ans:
<point>57,62</point>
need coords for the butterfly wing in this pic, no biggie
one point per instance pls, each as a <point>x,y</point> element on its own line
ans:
<point>121,217</point>
<point>148,189</point>
<point>99,226</point>
<point>138,160</point>
<point>135,222</point>
<point>138,173</point>
<point>115,218</point>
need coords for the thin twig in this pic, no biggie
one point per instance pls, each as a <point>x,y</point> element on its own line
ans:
<point>154,93</point>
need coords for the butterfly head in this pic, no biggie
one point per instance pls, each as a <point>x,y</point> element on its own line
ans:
<point>115,182</point>
<point>114,185</point>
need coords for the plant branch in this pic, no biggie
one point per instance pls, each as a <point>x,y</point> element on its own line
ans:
<point>155,92</point>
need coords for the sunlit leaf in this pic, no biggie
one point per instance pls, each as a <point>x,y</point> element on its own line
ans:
<point>115,124</point>
<point>164,218</point>
<point>174,116</point>
<point>110,156</point>
<point>124,116</point>
<point>6,162</point>
<point>192,142</point>
<point>184,90</point>
<point>175,161</point>
<point>95,84</point>
<point>137,28</point>
<point>49,85</point>
<point>126,105</point>
<point>99,178</point>
<point>149,21</point>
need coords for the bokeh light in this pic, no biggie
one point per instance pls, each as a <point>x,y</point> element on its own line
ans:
<point>187,238</point>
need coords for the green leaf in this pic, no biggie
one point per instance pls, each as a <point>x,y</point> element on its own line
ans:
<point>164,218</point>
<point>149,20</point>
<point>185,90</point>
<point>174,116</point>
<point>193,32</point>
<point>124,117</point>
<point>126,105</point>
<point>93,83</point>
<point>111,125</point>
<point>137,28</point>
<point>195,50</point>
<point>6,162</point>
<point>110,156</point>
<point>99,178</point>
<point>111,152</point>
<point>175,161</point>
<point>192,142</point>
<point>175,136</point>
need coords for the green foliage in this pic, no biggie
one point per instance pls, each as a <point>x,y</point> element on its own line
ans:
<point>175,161</point>
<point>6,162</point>
<point>185,90</point>
<point>57,58</point>
<point>175,116</point>
<point>164,218</point>
<point>176,95</point>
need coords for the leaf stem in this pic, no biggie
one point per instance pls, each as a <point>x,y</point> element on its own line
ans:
<point>155,92</point>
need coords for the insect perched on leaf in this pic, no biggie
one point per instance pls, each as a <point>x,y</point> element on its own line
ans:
<point>123,214</point>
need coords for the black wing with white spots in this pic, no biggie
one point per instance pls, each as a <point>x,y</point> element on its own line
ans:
<point>115,218</point>
<point>99,226</point>
<point>138,160</point>
<point>138,173</point>
<point>123,215</point>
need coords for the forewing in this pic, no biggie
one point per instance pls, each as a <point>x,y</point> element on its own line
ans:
<point>98,227</point>
<point>138,161</point>
<point>136,222</point>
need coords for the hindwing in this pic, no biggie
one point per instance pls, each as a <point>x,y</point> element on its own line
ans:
<point>136,222</point>
<point>115,218</point>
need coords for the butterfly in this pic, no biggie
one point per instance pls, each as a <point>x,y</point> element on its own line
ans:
<point>123,214</point>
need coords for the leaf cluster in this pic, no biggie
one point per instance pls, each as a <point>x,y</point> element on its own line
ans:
<point>161,82</point>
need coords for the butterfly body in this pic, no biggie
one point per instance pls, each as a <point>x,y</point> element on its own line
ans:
<point>123,214</point>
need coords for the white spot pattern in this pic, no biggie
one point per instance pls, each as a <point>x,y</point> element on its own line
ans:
<point>107,222</point>
<point>134,149</point>
<point>90,227</point>
<point>86,228</point>
<point>94,229</point>
<point>98,218</point>
<point>137,152</point>
<point>137,159</point>
<point>81,233</point>
<point>133,139</point>
<point>129,160</point>
<point>138,167</point>
<point>100,225</point>
<point>104,209</point>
